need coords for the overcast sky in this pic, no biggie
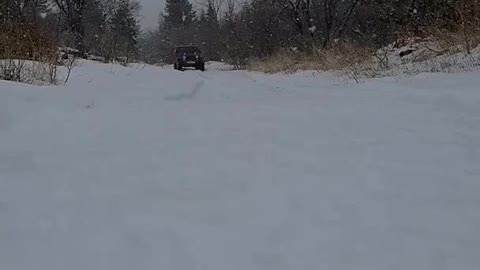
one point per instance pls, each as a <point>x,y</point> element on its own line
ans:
<point>150,11</point>
<point>152,8</point>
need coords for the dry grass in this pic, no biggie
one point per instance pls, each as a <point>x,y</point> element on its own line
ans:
<point>442,52</point>
<point>337,58</point>
<point>464,40</point>
<point>27,55</point>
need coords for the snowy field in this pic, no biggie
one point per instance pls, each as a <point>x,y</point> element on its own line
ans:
<point>151,168</point>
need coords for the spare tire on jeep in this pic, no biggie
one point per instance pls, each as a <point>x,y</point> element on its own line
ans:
<point>188,56</point>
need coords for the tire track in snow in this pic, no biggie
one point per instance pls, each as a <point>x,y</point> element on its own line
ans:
<point>189,95</point>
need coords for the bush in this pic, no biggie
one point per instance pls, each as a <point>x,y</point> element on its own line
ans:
<point>336,58</point>
<point>27,55</point>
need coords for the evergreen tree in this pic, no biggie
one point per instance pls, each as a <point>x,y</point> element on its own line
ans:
<point>211,15</point>
<point>125,29</point>
<point>178,14</point>
<point>209,32</point>
<point>178,23</point>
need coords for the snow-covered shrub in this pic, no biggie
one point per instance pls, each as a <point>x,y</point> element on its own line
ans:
<point>26,71</point>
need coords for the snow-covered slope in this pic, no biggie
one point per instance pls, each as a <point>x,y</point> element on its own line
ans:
<point>151,168</point>
<point>414,56</point>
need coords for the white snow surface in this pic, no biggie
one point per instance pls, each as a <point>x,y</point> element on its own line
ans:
<point>151,168</point>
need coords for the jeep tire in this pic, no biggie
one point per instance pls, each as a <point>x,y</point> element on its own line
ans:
<point>200,66</point>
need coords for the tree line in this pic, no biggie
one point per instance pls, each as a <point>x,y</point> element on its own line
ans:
<point>106,28</point>
<point>236,30</point>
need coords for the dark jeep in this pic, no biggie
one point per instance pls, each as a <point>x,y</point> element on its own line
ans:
<point>188,56</point>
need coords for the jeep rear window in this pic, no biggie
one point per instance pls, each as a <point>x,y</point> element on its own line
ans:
<point>188,50</point>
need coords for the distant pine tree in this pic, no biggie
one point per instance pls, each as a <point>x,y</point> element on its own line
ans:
<point>178,14</point>
<point>209,32</point>
<point>125,29</point>
<point>211,15</point>
<point>178,23</point>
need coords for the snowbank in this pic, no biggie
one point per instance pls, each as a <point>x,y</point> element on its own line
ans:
<point>414,56</point>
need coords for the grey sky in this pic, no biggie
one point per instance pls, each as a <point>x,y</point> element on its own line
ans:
<point>150,11</point>
<point>152,8</point>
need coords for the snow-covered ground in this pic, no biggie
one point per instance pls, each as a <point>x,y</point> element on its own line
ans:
<point>151,168</point>
<point>415,56</point>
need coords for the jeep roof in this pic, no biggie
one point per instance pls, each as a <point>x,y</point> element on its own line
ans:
<point>186,49</point>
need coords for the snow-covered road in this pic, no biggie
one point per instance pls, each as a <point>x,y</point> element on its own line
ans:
<point>151,168</point>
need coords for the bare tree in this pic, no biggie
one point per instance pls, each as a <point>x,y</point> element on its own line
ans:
<point>216,4</point>
<point>74,11</point>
